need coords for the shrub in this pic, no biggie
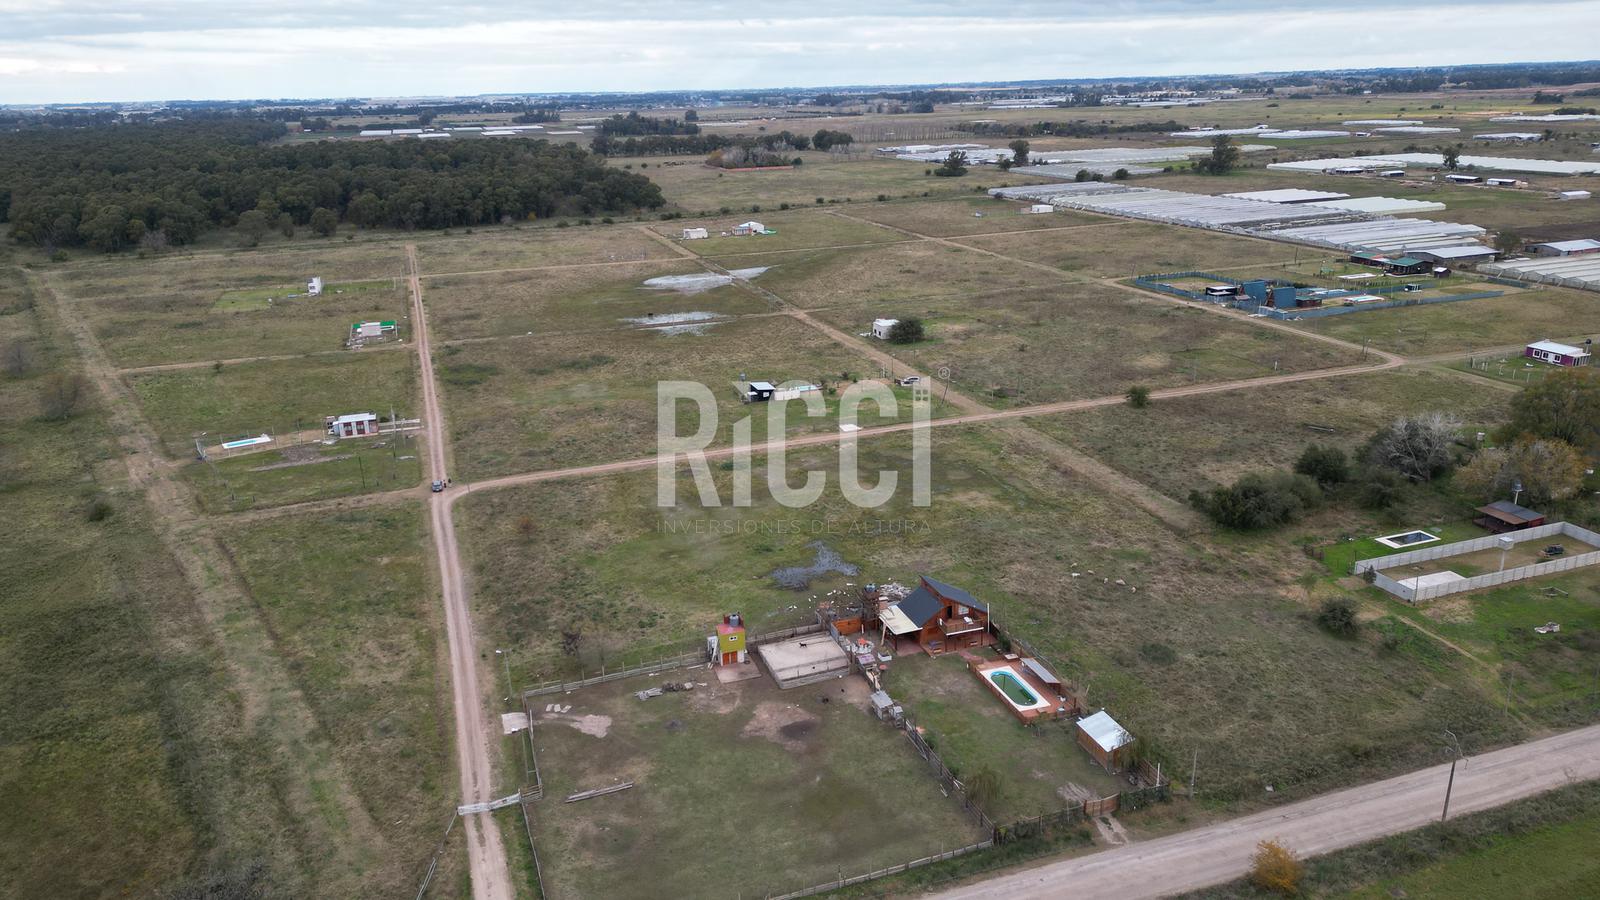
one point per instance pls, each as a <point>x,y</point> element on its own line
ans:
<point>59,395</point>
<point>1259,501</point>
<point>1327,465</point>
<point>1338,617</point>
<point>98,510</point>
<point>1275,868</point>
<point>1380,489</point>
<point>1138,396</point>
<point>906,331</point>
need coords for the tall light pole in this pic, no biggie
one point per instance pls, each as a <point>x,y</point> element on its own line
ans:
<point>505,658</point>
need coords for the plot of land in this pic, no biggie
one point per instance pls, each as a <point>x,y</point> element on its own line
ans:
<point>1074,341</point>
<point>306,472</point>
<point>970,215</point>
<point>795,230</point>
<point>1135,248</point>
<point>547,402</point>
<point>1517,318</point>
<point>536,246</point>
<point>280,397</point>
<point>575,299</point>
<point>738,789</point>
<point>212,273</point>
<point>1040,769</point>
<point>1192,653</point>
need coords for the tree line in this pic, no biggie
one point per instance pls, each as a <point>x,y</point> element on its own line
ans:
<point>115,186</point>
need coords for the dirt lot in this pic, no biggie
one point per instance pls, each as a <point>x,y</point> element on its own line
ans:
<point>1482,562</point>
<point>739,789</point>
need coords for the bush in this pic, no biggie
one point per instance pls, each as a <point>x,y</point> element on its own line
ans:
<point>1138,396</point>
<point>906,331</point>
<point>1338,617</point>
<point>1259,501</point>
<point>1380,489</point>
<point>59,395</point>
<point>1275,868</point>
<point>1328,466</point>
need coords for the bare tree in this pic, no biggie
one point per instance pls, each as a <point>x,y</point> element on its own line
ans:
<point>16,359</point>
<point>1547,469</point>
<point>1418,447</point>
<point>59,395</point>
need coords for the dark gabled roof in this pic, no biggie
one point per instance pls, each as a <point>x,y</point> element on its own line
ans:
<point>920,606</point>
<point>955,594</point>
<point>1405,261</point>
<point>1506,511</point>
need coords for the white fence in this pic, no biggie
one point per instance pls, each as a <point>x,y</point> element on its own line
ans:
<point>1492,579</point>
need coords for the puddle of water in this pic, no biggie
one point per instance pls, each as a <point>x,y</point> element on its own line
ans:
<point>689,285</point>
<point>696,322</point>
<point>827,562</point>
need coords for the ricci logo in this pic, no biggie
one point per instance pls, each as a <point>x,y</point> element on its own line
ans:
<point>680,402</point>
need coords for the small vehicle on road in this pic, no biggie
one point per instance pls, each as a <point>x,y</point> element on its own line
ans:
<point>909,380</point>
<point>436,487</point>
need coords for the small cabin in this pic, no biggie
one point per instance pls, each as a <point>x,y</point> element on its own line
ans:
<point>755,391</point>
<point>1109,743</point>
<point>695,234</point>
<point>882,327</point>
<point>744,228</point>
<point>1556,354</point>
<point>352,425</point>
<point>1502,516</point>
<point>314,287</point>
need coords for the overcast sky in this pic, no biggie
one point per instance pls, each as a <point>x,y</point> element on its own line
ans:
<point>66,50</point>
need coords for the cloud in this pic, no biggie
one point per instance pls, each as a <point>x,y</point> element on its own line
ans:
<point>59,50</point>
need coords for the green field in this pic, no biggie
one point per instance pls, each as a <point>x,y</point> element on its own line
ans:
<point>767,791</point>
<point>306,472</point>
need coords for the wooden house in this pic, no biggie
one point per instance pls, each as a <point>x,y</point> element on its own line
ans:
<point>1503,515</point>
<point>939,618</point>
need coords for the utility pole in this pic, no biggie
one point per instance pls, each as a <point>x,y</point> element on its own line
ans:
<point>1193,764</point>
<point>1454,745</point>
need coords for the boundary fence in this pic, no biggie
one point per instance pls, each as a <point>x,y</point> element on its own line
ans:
<point>884,872</point>
<point>1155,283</point>
<point>1492,579</point>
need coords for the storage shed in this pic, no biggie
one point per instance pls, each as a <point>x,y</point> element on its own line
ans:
<point>695,234</point>
<point>1105,740</point>
<point>1573,195</point>
<point>882,327</point>
<point>1567,248</point>
<point>352,425</point>
<point>1503,515</point>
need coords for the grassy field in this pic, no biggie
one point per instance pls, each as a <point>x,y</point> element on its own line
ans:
<point>1135,248</point>
<point>1552,861</point>
<point>519,247</point>
<point>347,601</point>
<point>1075,341</point>
<point>307,472</point>
<point>572,299</point>
<point>1200,651</point>
<point>1040,769</point>
<point>969,215</point>
<point>739,789</point>
<point>546,402</point>
<point>797,229</point>
<point>1199,442</point>
<point>278,396</point>
<point>1517,318</point>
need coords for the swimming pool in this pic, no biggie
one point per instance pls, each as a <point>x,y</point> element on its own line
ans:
<point>1407,539</point>
<point>1019,695</point>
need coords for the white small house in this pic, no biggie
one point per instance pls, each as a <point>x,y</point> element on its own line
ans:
<point>695,234</point>
<point>750,228</point>
<point>1557,354</point>
<point>1573,195</point>
<point>314,287</point>
<point>1038,209</point>
<point>882,327</point>
<point>352,425</point>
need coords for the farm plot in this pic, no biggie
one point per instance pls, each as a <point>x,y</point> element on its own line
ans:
<point>232,323</point>
<point>278,397</point>
<point>1134,248</point>
<point>739,789</point>
<point>575,299</point>
<point>1193,652</point>
<point>281,268</point>
<point>346,600</point>
<point>1075,341</point>
<point>1514,319</point>
<point>918,270</point>
<point>1201,442</point>
<point>536,247</point>
<point>563,400</point>
<point>795,230</point>
<point>306,472</point>
<point>1037,770</point>
<point>970,215</point>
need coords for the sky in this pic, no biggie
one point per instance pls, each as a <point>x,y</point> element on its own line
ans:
<point>135,50</point>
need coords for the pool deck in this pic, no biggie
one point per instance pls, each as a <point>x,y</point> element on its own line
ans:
<point>981,667</point>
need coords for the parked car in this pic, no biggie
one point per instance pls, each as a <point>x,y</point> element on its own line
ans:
<point>909,380</point>
<point>436,487</point>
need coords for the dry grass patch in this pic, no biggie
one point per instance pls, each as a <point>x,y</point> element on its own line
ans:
<point>920,270</point>
<point>970,215</point>
<point>1134,248</point>
<point>535,246</point>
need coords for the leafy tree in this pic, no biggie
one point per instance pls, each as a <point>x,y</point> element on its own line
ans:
<point>1564,407</point>
<point>324,222</point>
<point>1328,466</point>
<point>1338,617</point>
<point>954,165</point>
<point>59,394</point>
<point>1275,868</point>
<point>1259,501</point>
<point>1019,152</point>
<point>1452,157</point>
<point>1138,396</point>
<point>1380,488</point>
<point>827,140</point>
<point>906,331</point>
<point>253,225</point>
<point>1548,469</point>
<point>1418,447</point>
<point>1120,175</point>
<point>1223,159</point>
<point>1508,242</point>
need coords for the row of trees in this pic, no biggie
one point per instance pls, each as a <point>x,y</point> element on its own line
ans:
<point>635,124</point>
<point>112,187</point>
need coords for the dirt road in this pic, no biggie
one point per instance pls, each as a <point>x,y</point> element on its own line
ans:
<point>486,853</point>
<point>1221,852</point>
